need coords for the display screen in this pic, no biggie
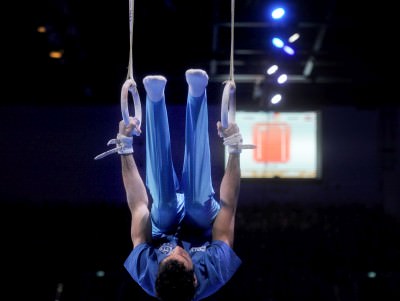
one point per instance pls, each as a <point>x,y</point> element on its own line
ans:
<point>287,144</point>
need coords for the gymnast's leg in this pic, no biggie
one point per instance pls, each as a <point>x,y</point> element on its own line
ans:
<point>201,207</point>
<point>167,209</point>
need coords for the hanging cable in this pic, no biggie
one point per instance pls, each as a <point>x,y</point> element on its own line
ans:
<point>131,21</point>
<point>228,106</point>
<point>232,63</point>
<point>130,84</point>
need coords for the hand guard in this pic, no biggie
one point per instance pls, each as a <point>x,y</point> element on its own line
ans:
<point>234,143</point>
<point>235,140</point>
<point>123,146</point>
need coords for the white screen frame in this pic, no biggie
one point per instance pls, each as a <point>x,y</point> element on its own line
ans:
<point>297,155</point>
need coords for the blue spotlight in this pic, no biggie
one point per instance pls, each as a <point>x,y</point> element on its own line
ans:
<point>289,50</point>
<point>277,13</point>
<point>277,42</point>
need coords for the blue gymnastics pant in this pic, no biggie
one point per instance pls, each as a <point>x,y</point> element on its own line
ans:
<point>192,199</point>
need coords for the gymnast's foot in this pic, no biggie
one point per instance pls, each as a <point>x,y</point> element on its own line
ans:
<point>197,80</point>
<point>154,86</point>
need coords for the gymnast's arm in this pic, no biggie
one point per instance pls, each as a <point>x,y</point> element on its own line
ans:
<point>224,224</point>
<point>136,195</point>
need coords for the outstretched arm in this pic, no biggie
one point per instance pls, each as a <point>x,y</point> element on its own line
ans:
<point>224,224</point>
<point>136,193</point>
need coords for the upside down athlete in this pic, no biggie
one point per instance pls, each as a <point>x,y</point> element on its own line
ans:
<point>183,243</point>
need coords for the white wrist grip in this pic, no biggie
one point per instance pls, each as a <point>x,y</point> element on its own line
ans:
<point>123,146</point>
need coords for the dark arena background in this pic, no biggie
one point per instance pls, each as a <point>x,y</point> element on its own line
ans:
<point>65,225</point>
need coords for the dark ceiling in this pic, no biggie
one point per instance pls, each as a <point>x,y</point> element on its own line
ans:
<point>171,36</point>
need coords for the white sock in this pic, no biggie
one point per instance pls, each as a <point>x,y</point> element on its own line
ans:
<point>197,80</point>
<point>154,86</point>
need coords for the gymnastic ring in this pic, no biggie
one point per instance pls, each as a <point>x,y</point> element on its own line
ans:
<point>228,106</point>
<point>130,86</point>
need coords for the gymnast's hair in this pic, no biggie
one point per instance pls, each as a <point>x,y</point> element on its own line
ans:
<point>174,282</point>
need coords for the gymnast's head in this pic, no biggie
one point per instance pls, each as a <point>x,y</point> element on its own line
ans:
<point>176,280</point>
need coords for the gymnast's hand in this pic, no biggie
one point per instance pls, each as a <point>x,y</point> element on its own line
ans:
<point>229,131</point>
<point>232,137</point>
<point>128,130</point>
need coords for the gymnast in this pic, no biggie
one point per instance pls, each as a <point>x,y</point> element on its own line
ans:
<point>182,235</point>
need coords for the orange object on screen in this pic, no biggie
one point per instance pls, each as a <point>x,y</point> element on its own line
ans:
<point>273,142</point>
